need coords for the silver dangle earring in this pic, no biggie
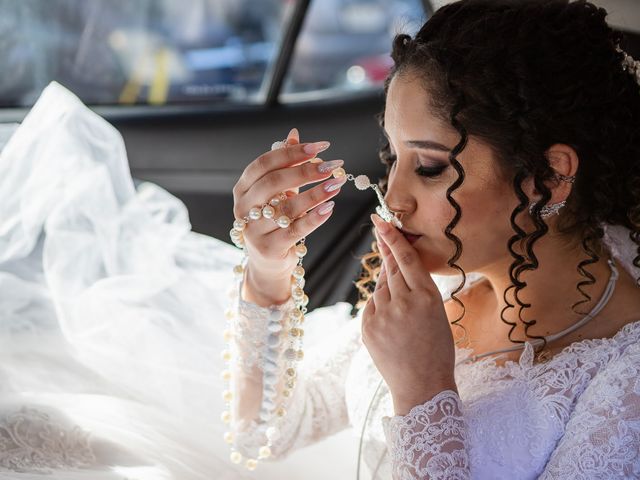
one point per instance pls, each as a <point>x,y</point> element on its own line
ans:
<point>553,208</point>
<point>548,210</point>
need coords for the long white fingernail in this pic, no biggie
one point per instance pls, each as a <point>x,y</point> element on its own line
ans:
<point>334,184</point>
<point>325,208</point>
<point>315,148</point>
<point>326,167</point>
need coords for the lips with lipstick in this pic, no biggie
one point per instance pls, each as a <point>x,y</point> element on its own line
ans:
<point>410,236</point>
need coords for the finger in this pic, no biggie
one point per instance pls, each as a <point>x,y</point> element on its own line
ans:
<point>287,156</point>
<point>381,290</point>
<point>395,279</point>
<point>297,205</point>
<point>287,178</point>
<point>400,255</point>
<point>369,309</point>
<point>304,225</point>
<point>293,138</point>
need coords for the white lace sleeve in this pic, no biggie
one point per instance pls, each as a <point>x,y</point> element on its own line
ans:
<point>602,437</point>
<point>317,406</point>
<point>430,442</point>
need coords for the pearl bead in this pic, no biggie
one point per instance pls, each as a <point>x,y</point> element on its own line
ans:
<point>268,404</point>
<point>235,457</point>
<point>273,340</point>
<point>283,221</point>
<point>252,464</point>
<point>301,250</point>
<point>291,372</point>
<point>305,301</point>
<point>270,391</point>
<point>281,412</point>
<point>291,383</point>
<point>226,355</point>
<point>274,202</point>
<point>362,182</point>
<point>300,354</point>
<point>227,335</point>
<point>297,292</point>
<point>238,270</point>
<point>270,378</point>
<point>290,354</point>
<point>225,375</point>
<point>295,314</point>
<point>298,272</point>
<point>229,314</point>
<point>274,327</point>
<point>270,367</point>
<point>338,172</point>
<point>226,418</point>
<point>227,395</point>
<point>295,332</point>
<point>239,225</point>
<point>228,437</point>
<point>286,393</point>
<point>268,211</point>
<point>264,452</point>
<point>255,213</point>
<point>272,434</point>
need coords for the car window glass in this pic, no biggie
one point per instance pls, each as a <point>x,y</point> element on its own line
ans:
<point>139,52</point>
<point>345,45</point>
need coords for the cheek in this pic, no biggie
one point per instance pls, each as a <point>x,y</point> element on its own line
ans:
<point>483,229</point>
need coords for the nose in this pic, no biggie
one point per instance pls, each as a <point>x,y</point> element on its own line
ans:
<point>398,196</point>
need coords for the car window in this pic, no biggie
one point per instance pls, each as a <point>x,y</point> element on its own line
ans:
<point>345,45</point>
<point>139,52</point>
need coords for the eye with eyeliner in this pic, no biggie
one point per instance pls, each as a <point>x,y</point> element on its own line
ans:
<point>424,170</point>
<point>430,170</point>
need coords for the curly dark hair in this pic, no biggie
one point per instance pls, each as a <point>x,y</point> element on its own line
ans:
<point>523,76</point>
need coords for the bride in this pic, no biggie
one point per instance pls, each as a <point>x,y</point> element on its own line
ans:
<point>513,152</point>
<point>498,333</point>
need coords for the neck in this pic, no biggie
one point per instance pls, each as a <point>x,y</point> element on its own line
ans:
<point>551,288</point>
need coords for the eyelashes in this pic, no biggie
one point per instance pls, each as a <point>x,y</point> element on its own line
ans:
<point>421,170</point>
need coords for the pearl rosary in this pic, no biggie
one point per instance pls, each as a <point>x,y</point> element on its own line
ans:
<point>270,410</point>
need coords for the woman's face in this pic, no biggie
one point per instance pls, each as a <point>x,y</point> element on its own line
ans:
<point>421,141</point>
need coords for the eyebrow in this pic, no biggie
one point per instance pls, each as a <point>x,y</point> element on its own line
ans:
<point>427,145</point>
<point>423,144</point>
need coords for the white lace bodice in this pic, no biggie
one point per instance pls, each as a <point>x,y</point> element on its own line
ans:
<point>575,416</point>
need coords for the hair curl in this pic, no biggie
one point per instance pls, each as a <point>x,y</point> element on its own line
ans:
<point>523,76</point>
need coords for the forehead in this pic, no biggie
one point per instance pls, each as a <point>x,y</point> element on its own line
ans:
<point>408,110</point>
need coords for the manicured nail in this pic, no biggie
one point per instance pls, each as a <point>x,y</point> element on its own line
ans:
<point>381,226</point>
<point>315,148</point>
<point>334,184</point>
<point>294,132</point>
<point>326,207</point>
<point>326,167</point>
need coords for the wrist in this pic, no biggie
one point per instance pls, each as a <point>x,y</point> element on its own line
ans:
<point>403,402</point>
<point>265,291</point>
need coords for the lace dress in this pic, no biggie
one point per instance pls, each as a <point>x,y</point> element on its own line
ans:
<point>576,416</point>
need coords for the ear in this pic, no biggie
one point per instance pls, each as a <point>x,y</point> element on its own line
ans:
<point>564,160</point>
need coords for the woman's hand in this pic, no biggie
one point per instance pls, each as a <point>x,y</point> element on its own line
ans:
<point>270,248</point>
<point>405,326</point>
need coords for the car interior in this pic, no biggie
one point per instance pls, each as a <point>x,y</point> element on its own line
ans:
<point>197,145</point>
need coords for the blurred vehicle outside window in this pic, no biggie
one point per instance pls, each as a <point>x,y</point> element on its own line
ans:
<point>139,51</point>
